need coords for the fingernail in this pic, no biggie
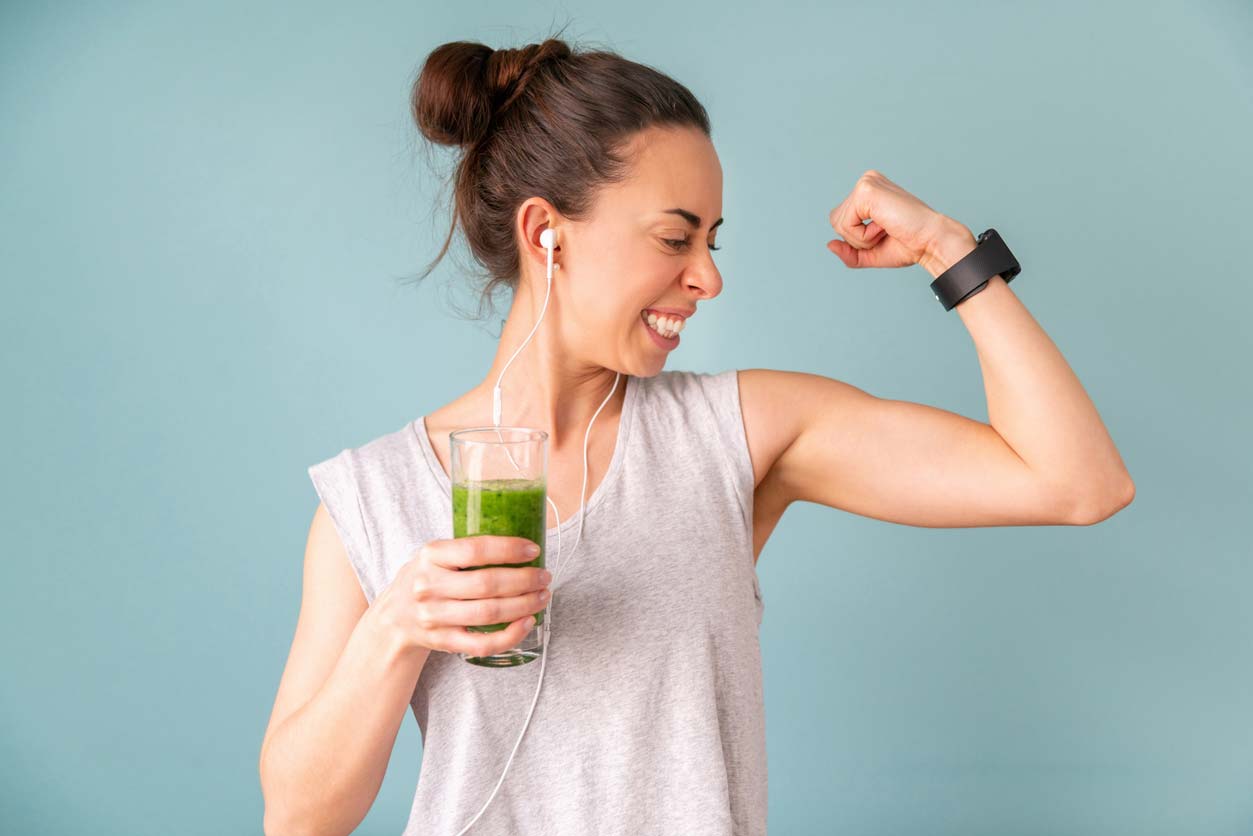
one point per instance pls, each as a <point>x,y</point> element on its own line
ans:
<point>545,576</point>
<point>533,550</point>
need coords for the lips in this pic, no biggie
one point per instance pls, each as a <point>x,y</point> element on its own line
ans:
<point>681,313</point>
<point>666,343</point>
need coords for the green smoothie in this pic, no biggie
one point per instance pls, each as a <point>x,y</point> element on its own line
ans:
<point>508,507</point>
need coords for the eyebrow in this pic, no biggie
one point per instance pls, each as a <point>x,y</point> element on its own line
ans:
<point>692,218</point>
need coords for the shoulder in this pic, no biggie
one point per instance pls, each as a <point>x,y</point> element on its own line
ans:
<point>689,398</point>
<point>771,401</point>
<point>373,466</point>
<point>684,386</point>
<point>780,406</point>
<point>378,496</point>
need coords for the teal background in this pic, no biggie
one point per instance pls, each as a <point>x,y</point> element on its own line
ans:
<point>208,211</point>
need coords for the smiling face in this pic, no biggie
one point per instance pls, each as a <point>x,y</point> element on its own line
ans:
<point>647,244</point>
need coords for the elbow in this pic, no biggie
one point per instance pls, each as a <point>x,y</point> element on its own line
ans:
<point>1089,511</point>
<point>288,814</point>
<point>280,820</point>
<point>276,819</point>
<point>272,826</point>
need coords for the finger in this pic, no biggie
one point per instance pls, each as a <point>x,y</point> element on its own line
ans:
<point>847,222</point>
<point>868,235</point>
<point>494,582</point>
<point>887,253</point>
<point>460,640</point>
<point>854,257</point>
<point>484,611</point>
<point>480,550</point>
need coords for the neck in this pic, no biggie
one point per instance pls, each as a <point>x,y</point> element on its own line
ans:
<point>547,385</point>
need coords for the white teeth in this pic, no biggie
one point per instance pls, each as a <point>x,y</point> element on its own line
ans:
<point>666,326</point>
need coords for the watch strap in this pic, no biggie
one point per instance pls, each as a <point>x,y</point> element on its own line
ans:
<point>973,272</point>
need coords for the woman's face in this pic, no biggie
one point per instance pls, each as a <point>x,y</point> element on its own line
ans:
<point>634,253</point>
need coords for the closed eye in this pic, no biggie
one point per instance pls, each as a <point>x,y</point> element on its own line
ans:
<point>682,244</point>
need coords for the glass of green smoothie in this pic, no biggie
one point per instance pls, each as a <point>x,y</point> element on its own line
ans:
<point>500,486</point>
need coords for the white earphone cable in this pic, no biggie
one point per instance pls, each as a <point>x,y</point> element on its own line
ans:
<point>547,239</point>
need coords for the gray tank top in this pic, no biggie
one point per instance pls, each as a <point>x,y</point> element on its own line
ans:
<point>651,718</point>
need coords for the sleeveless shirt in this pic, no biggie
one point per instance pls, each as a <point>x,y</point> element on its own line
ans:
<point>651,718</point>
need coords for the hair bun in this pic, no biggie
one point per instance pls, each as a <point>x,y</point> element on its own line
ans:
<point>463,84</point>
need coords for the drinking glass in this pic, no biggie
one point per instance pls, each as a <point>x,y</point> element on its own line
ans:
<point>500,486</point>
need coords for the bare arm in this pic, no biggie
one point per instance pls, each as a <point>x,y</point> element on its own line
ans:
<point>1035,401</point>
<point>1044,457</point>
<point>342,698</point>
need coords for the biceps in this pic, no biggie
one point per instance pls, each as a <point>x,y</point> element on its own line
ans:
<point>913,464</point>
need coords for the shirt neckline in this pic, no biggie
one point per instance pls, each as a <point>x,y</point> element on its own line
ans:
<point>615,463</point>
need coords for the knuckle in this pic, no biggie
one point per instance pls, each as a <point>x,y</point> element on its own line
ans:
<point>424,551</point>
<point>424,615</point>
<point>486,551</point>
<point>486,612</point>
<point>491,584</point>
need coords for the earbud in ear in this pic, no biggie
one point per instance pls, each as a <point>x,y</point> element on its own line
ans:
<point>548,239</point>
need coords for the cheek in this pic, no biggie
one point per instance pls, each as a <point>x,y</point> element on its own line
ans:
<point>607,302</point>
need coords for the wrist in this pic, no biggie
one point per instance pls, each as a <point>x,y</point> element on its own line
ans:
<point>389,642</point>
<point>951,243</point>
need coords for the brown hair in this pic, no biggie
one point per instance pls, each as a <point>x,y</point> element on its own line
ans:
<point>538,121</point>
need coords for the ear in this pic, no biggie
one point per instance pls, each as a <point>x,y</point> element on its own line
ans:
<point>534,216</point>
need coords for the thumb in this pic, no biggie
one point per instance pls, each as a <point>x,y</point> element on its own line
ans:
<point>888,252</point>
<point>846,252</point>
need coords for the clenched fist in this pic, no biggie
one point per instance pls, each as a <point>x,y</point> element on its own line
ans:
<point>902,230</point>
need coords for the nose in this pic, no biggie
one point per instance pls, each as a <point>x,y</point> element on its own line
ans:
<point>703,275</point>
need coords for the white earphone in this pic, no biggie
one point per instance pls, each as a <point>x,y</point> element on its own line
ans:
<point>548,240</point>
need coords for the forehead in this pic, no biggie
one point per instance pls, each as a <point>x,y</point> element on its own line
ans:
<point>671,167</point>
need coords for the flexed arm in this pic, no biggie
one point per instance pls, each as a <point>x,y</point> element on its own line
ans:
<point>1045,456</point>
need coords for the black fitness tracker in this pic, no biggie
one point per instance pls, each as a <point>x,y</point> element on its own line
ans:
<point>972,274</point>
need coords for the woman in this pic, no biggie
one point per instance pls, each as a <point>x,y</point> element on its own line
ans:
<point>652,719</point>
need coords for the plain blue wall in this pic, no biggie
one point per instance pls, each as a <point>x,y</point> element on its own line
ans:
<point>207,211</point>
